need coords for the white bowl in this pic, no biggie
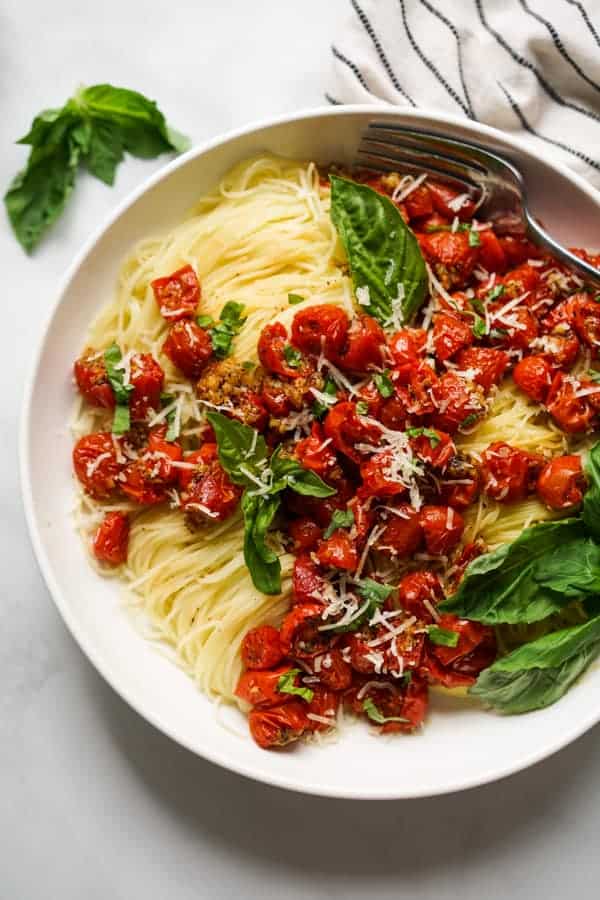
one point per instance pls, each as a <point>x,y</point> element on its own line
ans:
<point>462,745</point>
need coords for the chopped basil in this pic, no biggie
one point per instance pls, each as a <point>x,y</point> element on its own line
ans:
<point>442,636</point>
<point>341,518</point>
<point>479,327</point>
<point>594,376</point>
<point>362,408</point>
<point>375,714</point>
<point>172,418</point>
<point>498,333</point>
<point>292,356</point>
<point>474,239</point>
<point>477,305</point>
<point>468,421</point>
<point>375,594</point>
<point>429,433</point>
<point>248,366</point>
<point>293,299</point>
<point>495,292</point>
<point>319,408</point>
<point>384,384</point>
<point>205,321</point>
<point>223,332</point>
<point>286,685</point>
<point>122,418</point>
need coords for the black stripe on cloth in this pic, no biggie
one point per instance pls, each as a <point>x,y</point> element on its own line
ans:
<point>519,113</point>
<point>432,68</point>
<point>332,100</point>
<point>352,66</point>
<point>559,45</point>
<point>526,64</point>
<point>585,18</point>
<point>456,34</point>
<point>380,51</point>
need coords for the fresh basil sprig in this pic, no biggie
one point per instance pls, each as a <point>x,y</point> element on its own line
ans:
<point>539,673</point>
<point>95,128</point>
<point>244,456</point>
<point>116,377</point>
<point>383,252</point>
<point>223,332</point>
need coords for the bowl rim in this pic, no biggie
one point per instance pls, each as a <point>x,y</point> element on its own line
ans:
<point>563,738</point>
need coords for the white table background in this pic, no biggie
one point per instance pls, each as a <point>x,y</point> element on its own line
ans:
<point>94,803</point>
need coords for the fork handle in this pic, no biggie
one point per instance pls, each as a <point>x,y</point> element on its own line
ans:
<point>539,236</point>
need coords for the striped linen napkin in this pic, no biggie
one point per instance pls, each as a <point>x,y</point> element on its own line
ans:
<point>528,67</point>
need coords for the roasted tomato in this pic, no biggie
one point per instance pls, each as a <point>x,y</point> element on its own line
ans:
<point>92,379</point>
<point>146,377</point>
<point>486,365</point>
<point>210,495</point>
<point>396,410</point>
<point>96,464</point>
<point>442,527</point>
<point>322,709</point>
<point>300,635</point>
<point>451,256</point>
<point>562,317</point>
<point>419,203</point>
<point>189,347</point>
<point>160,456</point>
<point>560,349</point>
<point>449,202</point>
<point>279,725</point>
<point>261,687</point>
<point>433,447</point>
<point>305,533</point>
<point>308,582</point>
<point>339,551</point>
<point>586,322</point>
<point>507,472</point>
<point>364,348</point>
<point>512,329</point>
<point>455,403</point>
<point>177,294</point>
<point>414,708</point>
<point>320,329</point>
<point>315,452</point>
<point>491,253</point>
<point>346,429</point>
<point>261,648</point>
<point>561,482</point>
<point>404,651</point>
<point>277,355</point>
<point>522,280</point>
<point>363,658</point>
<point>112,538</point>
<point>377,477</point>
<point>517,249</point>
<point>419,593</point>
<point>200,459</point>
<point>407,347</point>
<point>333,670</point>
<point>404,707</point>
<point>460,485</point>
<point>571,409</point>
<point>466,556</point>
<point>459,666</point>
<point>423,382</point>
<point>451,333</point>
<point>533,374</point>
<point>403,533</point>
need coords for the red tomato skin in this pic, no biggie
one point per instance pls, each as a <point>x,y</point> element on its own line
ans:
<point>517,338</point>
<point>402,536</point>
<point>450,254</point>
<point>418,591</point>
<point>491,253</point>
<point>311,453</point>
<point>324,703</point>
<point>112,538</point>
<point>375,483</point>
<point>407,347</point>
<point>103,478</point>
<point>177,294</point>
<point>334,672</point>
<point>505,472</point>
<point>308,583</point>
<point>572,414</point>
<point>163,453</point>
<point>533,374</point>
<point>451,333</point>
<point>92,380</point>
<point>364,347</point>
<point>395,410</point>
<point>423,382</point>
<point>457,402</point>
<point>146,377</point>
<point>414,707</point>
<point>586,322</point>
<point>214,491</point>
<point>305,533</point>
<point>437,456</point>
<point>459,666</point>
<point>360,651</point>
<point>561,482</point>
<point>419,203</point>
<point>442,196</point>
<point>300,635</point>
<point>524,278</point>
<point>563,350</point>
<point>321,328</point>
<point>442,527</point>
<point>345,428</point>
<point>259,687</point>
<point>338,551</point>
<point>261,648</point>
<point>517,250</point>
<point>272,344</point>
<point>189,348</point>
<point>206,454</point>
<point>279,725</point>
<point>491,364</point>
<point>458,495</point>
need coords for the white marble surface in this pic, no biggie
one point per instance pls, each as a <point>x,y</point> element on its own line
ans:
<point>94,802</point>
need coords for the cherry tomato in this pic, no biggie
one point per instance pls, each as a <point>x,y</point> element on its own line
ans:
<point>189,348</point>
<point>404,651</point>
<point>112,538</point>
<point>443,198</point>
<point>419,203</point>
<point>491,253</point>
<point>96,464</point>
<point>300,635</point>
<point>407,347</point>
<point>414,707</point>
<point>279,725</point>
<point>250,410</point>
<point>419,593</point>
<point>561,482</point>
<point>147,377</point>
<point>376,477</point>
<point>211,495</point>
<point>277,355</point>
<point>562,317</point>
<point>160,455</point>
<point>333,670</point>
<point>423,382</point>
<point>468,553</point>
<point>442,527</point>
<point>307,580</point>
<point>487,364</point>
<point>261,648</point>
<point>305,533</point>
<point>364,517</point>
<point>434,447</point>
<point>395,410</point>
<point>533,374</point>
<point>506,472</point>
<point>513,330</point>
<point>459,666</point>
<point>560,349</point>
<point>571,412</point>
<point>338,551</point>
<point>586,322</point>
<point>460,486</point>
<point>403,534</point>
<point>177,294</point>
<point>315,452</point>
<point>517,249</point>
<point>260,687</point>
<point>450,255</point>
<point>321,328</point>
<point>455,403</point>
<point>92,380</point>
<point>346,429</point>
<point>451,333</point>
<point>523,279</point>
<point>201,458</point>
<point>364,348</point>
<point>324,704</point>
<point>362,655</point>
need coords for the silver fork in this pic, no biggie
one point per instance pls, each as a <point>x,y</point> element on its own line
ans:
<point>496,184</point>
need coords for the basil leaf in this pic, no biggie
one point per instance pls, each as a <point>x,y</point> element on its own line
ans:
<point>293,299</point>
<point>341,518</point>
<point>539,673</point>
<point>223,332</point>
<point>477,305</point>
<point>288,473</point>
<point>205,321</point>
<point>536,575</point>
<point>468,420</point>
<point>292,356</point>
<point>591,501</point>
<point>121,419</point>
<point>445,637</point>
<point>375,714</point>
<point>262,562</point>
<point>330,390</point>
<point>384,384</point>
<point>362,408</point>
<point>172,418</point>
<point>495,292</point>
<point>429,433</point>
<point>105,151</point>
<point>374,591</point>
<point>479,327</point>
<point>382,251</point>
<point>240,448</point>
<point>285,685</point>
<point>474,239</point>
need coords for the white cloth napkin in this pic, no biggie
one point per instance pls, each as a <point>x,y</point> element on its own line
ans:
<point>529,67</point>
